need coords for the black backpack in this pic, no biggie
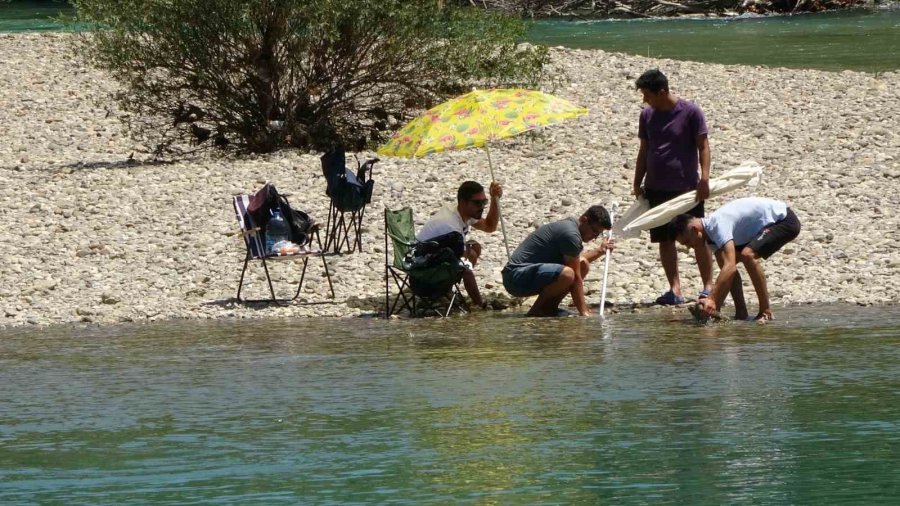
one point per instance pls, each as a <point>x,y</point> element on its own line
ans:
<point>266,200</point>
<point>434,266</point>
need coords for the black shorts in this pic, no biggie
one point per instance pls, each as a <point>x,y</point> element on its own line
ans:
<point>657,197</point>
<point>773,237</point>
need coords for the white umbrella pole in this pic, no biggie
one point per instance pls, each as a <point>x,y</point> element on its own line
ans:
<point>612,217</point>
<point>502,225</point>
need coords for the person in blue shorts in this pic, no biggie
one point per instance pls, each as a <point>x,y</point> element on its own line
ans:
<point>551,262</point>
<point>742,230</point>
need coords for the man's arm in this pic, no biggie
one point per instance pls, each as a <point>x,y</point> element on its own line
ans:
<point>489,223</point>
<point>640,168</point>
<point>703,149</point>
<point>593,254</point>
<point>727,268</point>
<point>704,264</point>
<point>577,291</point>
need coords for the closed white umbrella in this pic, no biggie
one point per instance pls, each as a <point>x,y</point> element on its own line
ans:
<point>639,207</point>
<point>748,173</point>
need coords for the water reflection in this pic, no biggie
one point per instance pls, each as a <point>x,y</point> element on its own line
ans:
<point>644,407</point>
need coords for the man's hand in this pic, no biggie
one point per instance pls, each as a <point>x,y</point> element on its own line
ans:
<point>708,306</point>
<point>607,245</point>
<point>586,312</point>
<point>703,190</point>
<point>764,316</point>
<point>637,191</point>
<point>496,190</point>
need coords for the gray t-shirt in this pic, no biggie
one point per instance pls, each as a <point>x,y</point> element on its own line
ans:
<point>549,244</point>
<point>742,219</point>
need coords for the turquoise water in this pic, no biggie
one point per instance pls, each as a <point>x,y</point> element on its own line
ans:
<point>32,16</point>
<point>867,41</point>
<point>644,408</point>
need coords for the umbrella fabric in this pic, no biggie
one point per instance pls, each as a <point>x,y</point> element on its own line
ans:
<point>748,173</point>
<point>639,207</point>
<point>474,119</point>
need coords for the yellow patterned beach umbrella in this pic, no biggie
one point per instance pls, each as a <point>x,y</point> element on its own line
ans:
<point>475,119</point>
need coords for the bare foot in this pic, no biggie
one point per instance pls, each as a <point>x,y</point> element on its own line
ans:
<point>764,316</point>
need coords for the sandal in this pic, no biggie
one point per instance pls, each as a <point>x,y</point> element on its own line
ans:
<point>669,299</point>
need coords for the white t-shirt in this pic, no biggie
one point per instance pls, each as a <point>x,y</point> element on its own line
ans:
<point>444,221</point>
<point>742,219</point>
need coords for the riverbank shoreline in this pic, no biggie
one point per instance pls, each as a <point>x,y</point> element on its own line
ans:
<point>97,234</point>
<point>642,9</point>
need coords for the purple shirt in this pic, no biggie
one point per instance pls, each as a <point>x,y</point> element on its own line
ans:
<point>673,160</point>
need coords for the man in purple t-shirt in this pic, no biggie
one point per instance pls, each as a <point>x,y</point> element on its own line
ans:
<point>674,143</point>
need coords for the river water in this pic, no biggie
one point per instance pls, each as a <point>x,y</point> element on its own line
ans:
<point>867,41</point>
<point>642,408</point>
<point>863,40</point>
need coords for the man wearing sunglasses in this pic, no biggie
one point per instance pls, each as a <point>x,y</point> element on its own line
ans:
<point>468,213</point>
<point>551,262</point>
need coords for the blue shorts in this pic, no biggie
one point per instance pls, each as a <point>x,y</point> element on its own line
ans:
<point>525,280</point>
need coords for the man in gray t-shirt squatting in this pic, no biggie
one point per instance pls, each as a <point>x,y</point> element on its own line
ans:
<point>744,229</point>
<point>550,263</point>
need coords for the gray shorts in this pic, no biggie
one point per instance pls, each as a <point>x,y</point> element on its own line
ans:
<point>525,280</point>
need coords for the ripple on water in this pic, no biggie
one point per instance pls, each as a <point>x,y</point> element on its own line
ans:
<point>644,407</point>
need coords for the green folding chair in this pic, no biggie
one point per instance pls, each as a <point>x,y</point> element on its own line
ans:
<point>420,290</point>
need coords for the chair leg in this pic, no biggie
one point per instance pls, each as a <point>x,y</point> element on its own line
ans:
<point>244,270</point>
<point>354,227</point>
<point>408,302</point>
<point>302,276</point>
<point>343,235</point>
<point>360,214</point>
<point>269,279</point>
<point>327,274</point>
<point>329,232</point>
<point>450,306</point>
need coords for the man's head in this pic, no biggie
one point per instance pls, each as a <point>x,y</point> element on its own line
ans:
<point>688,230</point>
<point>471,200</point>
<point>593,222</point>
<point>654,86</point>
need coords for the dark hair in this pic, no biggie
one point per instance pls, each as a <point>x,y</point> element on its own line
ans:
<point>679,225</point>
<point>467,190</point>
<point>597,215</point>
<point>652,80</point>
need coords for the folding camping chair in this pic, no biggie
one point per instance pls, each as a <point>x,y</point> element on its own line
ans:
<point>253,240</point>
<point>421,290</point>
<point>349,193</point>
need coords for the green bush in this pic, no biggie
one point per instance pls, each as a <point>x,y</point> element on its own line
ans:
<point>261,75</point>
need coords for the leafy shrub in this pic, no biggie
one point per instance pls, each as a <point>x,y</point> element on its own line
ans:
<point>260,75</point>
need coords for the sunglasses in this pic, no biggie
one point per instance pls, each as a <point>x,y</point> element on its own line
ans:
<point>596,228</point>
<point>479,202</point>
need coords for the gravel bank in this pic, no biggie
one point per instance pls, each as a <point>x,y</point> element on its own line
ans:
<point>93,237</point>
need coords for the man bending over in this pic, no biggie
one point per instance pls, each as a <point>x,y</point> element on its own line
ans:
<point>742,230</point>
<point>465,215</point>
<point>550,263</point>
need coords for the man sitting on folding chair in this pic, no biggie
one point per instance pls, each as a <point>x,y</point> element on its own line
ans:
<point>468,213</point>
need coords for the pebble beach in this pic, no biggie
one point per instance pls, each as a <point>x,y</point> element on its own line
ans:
<point>97,232</point>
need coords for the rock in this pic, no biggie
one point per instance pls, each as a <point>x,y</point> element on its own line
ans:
<point>109,299</point>
<point>167,232</point>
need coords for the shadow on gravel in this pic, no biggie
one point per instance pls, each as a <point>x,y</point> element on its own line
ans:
<point>121,164</point>
<point>232,302</point>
